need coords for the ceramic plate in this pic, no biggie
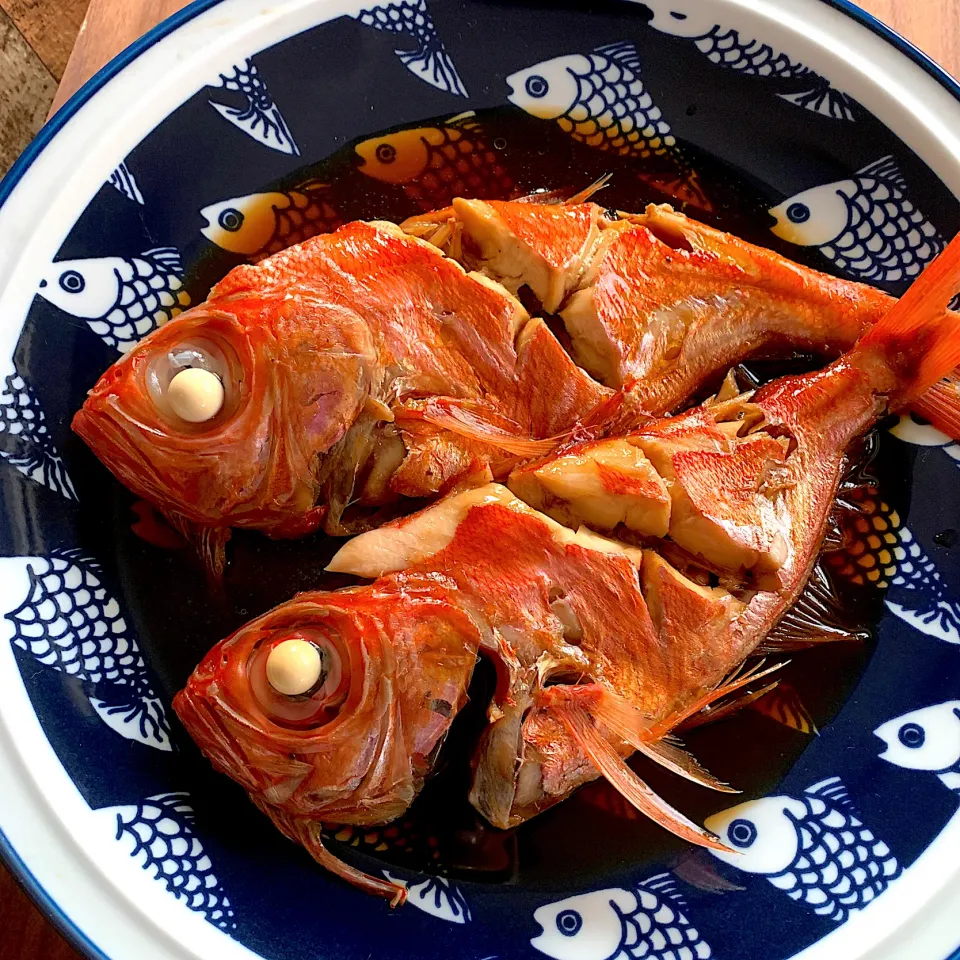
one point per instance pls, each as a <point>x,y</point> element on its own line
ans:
<point>237,128</point>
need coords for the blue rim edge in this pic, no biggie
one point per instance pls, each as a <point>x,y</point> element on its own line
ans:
<point>8,855</point>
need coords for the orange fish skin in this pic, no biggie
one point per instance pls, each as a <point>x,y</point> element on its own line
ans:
<point>359,753</point>
<point>307,337</point>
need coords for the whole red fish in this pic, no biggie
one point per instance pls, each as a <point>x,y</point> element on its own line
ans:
<point>601,648</point>
<point>365,365</point>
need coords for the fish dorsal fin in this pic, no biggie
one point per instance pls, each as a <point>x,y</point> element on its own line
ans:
<point>665,885</point>
<point>466,120</point>
<point>166,255</point>
<point>314,185</point>
<point>625,53</point>
<point>833,790</point>
<point>816,617</point>
<point>885,169</point>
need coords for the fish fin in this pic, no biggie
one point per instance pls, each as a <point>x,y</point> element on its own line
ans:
<point>715,713</point>
<point>624,52</point>
<point>941,405</point>
<point>816,617</point>
<point>698,870</point>
<point>611,766</point>
<point>432,64</point>
<point>665,885</point>
<point>885,169</point>
<point>834,790</point>
<point>142,719</point>
<point>785,705</point>
<point>630,725</point>
<point>209,542</point>
<point>918,338</point>
<point>268,128</point>
<point>468,420</point>
<point>562,196</point>
<point>825,100</point>
<point>466,119</point>
<point>740,677</point>
<point>309,834</point>
<point>168,256</point>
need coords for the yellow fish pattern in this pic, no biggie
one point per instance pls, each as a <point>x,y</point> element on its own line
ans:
<point>432,165</point>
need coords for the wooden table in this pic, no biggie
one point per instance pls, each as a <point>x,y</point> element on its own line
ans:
<point>36,37</point>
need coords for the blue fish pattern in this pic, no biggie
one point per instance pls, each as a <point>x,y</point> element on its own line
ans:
<point>121,298</point>
<point>428,59</point>
<point>598,98</point>
<point>731,50</point>
<point>259,117</point>
<point>158,833</point>
<point>813,847</point>
<point>619,924</point>
<point>70,623</point>
<point>882,551</point>
<point>126,183</point>
<point>25,438</point>
<point>866,225</point>
<point>927,739</point>
<point>436,896</point>
<point>260,224</point>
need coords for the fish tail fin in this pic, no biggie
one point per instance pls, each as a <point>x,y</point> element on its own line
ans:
<point>431,63</point>
<point>624,720</point>
<point>612,767</point>
<point>919,338</point>
<point>941,405</point>
<point>826,100</point>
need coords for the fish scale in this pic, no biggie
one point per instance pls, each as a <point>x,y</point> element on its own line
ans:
<point>25,441</point>
<point>158,833</point>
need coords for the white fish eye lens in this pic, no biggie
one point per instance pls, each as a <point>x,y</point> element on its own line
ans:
<point>192,400</point>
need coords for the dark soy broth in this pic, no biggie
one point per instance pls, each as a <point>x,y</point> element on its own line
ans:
<point>180,614</point>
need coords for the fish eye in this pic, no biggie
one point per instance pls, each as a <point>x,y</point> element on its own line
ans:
<point>72,282</point>
<point>912,735</point>
<point>537,86</point>
<point>386,153</point>
<point>677,15</point>
<point>305,705</point>
<point>798,212</point>
<point>742,833</point>
<point>207,398</point>
<point>230,220</point>
<point>569,922</point>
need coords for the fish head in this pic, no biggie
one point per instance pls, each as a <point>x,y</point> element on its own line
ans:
<point>925,739</point>
<point>89,289</point>
<point>763,835</point>
<point>691,22</point>
<point>812,218</point>
<point>586,927</point>
<point>550,89</point>
<point>911,429</point>
<point>292,387</point>
<point>393,665</point>
<point>398,157</point>
<point>243,225</point>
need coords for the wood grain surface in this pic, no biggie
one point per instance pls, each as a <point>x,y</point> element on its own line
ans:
<point>35,38</point>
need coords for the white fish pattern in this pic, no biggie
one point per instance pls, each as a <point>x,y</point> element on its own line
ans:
<point>429,59</point>
<point>598,98</point>
<point>121,298</point>
<point>865,224</point>
<point>813,847</point>
<point>436,896</point>
<point>621,924</point>
<point>264,223</point>
<point>926,739</point>
<point>126,183</point>
<point>729,49</point>
<point>158,833</point>
<point>68,622</point>
<point>260,117</point>
<point>25,438</point>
